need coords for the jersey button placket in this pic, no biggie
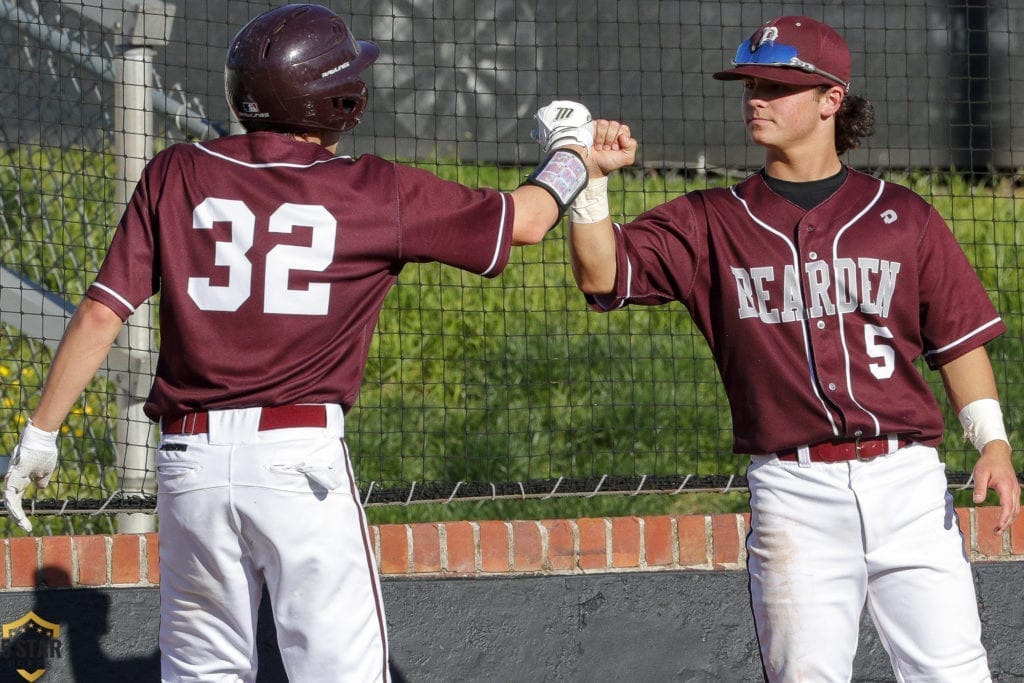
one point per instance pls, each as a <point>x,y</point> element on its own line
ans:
<point>822,344</point>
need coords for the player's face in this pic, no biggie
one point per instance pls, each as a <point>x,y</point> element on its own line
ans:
<point>779,115</point>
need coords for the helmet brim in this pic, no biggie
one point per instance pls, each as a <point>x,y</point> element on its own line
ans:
<point>368,53</point>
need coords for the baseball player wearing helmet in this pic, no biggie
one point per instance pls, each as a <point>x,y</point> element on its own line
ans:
<point>272,257</point>
<point>817,287</point>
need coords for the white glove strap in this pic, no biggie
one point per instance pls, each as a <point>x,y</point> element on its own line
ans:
<point>565,137</point>
<point>982,421</point>
<point>591,205</point>
<point>37,439</point>
<point>563,123</point>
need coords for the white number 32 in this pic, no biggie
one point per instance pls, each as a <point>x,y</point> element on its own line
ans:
<point>281,260</point>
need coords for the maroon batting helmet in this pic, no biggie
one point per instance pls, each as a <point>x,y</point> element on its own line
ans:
<point>297,68</point>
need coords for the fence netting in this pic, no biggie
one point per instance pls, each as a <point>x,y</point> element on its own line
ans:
<point>508,388</point>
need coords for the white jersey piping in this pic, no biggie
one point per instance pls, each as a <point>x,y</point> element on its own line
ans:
<point>274,164</point>
<point>839,315</point>
<point>812,374</point>
<point>114,294</point>
<point>964,338</point>
<point>501,234</point>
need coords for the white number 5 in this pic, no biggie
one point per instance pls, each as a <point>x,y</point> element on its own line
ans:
<point>281,260</point>
<point>886,366</point>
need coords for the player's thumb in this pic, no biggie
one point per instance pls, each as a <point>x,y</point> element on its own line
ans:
<point>980,489</point>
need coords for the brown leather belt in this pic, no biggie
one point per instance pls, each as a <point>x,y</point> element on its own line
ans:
<point>274,417</point>
<point>842,450</point>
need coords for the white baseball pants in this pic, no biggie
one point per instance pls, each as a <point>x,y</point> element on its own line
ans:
<point>239,508</point>
<point>828,537</point>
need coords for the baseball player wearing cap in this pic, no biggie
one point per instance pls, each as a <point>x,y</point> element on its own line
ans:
<point>272,257</point>
<point>817,287</point>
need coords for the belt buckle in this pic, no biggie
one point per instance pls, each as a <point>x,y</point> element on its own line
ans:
<point>857,449</point>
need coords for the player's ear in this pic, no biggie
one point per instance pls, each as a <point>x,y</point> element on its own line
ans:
<point>831,101</point>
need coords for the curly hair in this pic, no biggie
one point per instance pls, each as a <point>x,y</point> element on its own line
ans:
<point>854,120</point>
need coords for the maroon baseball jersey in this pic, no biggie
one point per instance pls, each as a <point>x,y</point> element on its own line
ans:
<point>273,257</point>
<point>815,318</point>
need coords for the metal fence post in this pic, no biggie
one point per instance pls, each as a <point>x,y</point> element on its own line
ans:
<point>138,29</point>
<point>134,118</point>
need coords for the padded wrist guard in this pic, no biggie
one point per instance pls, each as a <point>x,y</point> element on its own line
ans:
<point>564,175</point>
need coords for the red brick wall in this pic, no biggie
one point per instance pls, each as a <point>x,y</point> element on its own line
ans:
<point>554,546</point>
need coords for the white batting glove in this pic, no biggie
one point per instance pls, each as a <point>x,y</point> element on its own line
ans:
<point>34,460</point>
<point>563,123</point>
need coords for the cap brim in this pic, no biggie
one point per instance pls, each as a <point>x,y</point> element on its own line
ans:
<point>777,74</point>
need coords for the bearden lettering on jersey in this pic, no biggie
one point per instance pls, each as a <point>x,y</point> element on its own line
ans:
<point>864,284</point>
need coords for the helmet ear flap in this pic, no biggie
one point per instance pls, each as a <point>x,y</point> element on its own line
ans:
<point>349,106</point>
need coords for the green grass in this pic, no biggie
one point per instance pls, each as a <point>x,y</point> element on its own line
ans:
<point>511,379</point>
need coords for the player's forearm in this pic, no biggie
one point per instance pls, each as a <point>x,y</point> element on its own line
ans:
<point>592,235</point>
<point>969,378</point>
<point>971,388</point>
<point>539,202</point>
<point>535,213</point>
<point>85,345</point>
<point>592,251</point>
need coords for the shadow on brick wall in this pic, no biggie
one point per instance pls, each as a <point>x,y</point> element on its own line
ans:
<point>65,634</point>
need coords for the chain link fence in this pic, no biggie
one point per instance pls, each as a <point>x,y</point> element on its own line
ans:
<point>478,390</point>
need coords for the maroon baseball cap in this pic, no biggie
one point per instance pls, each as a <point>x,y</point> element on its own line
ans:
<point>794,50</point>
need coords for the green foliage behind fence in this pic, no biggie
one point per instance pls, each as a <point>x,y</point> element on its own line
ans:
<point>474,380</point>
